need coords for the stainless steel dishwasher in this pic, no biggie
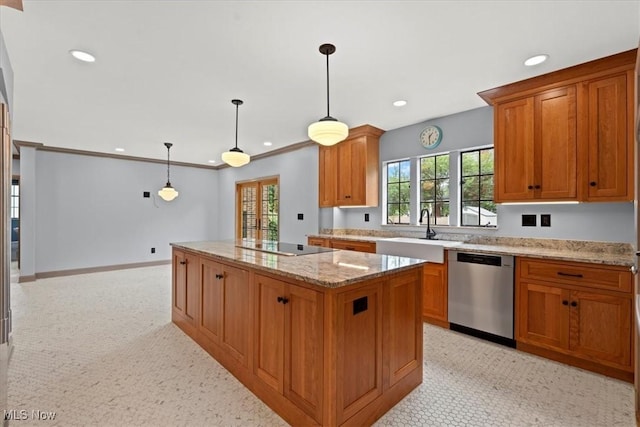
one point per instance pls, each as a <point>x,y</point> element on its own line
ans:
<point>481,295</point>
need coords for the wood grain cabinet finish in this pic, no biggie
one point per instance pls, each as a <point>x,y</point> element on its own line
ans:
<point>582,320</point>
<point>566,135</point>
<point>288,349</point>
<point>353,245</point>
<point>435,293</point>
<point>349,170</point>
<point>185,288</point>
<point>316,355</point>
<point>317,241</point>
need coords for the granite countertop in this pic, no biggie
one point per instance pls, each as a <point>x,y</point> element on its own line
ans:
<point>606,253</point>
<point>332,269</point>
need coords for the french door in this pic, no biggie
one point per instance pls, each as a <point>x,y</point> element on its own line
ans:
<point>257,209</point>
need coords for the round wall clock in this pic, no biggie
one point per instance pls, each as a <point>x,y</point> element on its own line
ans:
<point>430,137</point>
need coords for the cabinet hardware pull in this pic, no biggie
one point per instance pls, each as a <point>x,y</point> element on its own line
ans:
<point>347,197</point>
<point>183,262</point>
<point>350,248</point>
<point>530,187</point>
<point>280,299</point>
<point>219,276</point>
<point>565,302</point>
<point>574,304</point>
<point>537,187</point>
<point>592,183</point>
<point>285,300</point>
<point>560,273</point>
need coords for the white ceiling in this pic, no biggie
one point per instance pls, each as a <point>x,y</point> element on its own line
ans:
<point>167,70</point>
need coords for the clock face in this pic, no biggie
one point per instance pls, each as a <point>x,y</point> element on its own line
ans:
<point>430,137</point>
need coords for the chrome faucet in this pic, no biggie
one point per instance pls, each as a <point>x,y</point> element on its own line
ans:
<point>430,233</point>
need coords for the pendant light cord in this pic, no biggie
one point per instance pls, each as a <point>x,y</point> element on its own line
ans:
<point>168,145</point>
<point>237,105</point>
<point>328,115</point>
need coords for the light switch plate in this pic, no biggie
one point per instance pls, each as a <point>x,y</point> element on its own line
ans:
<point>545,220</point>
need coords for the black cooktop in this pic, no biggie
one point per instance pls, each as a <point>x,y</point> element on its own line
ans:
<point>281,248</point>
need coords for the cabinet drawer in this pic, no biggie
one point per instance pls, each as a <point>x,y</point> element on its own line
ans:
<point>316,241</point>
<point>575,273</point>
<point>354,245</point>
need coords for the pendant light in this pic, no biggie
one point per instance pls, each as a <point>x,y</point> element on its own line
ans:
<point>328,130</point>
<point>168,193</point>
<point>236,157</point>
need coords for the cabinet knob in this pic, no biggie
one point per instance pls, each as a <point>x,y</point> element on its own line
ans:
<point>183,262</point>
<point>219,276</point>
<point>574,304</point>
<point>565,302</point>
<point>283,300</point>
<point>592,183</point>
<point>347,197</point>
<point>537,187</point>
<point>280,299</point>
<point>530,187</point>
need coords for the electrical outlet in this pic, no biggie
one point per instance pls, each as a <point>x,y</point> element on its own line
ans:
<point>153,250</point>
<point>146,194</point>
<point>528,220</point>
<point>300,217</point>
<point>545,220</point>
<point>366,217</point>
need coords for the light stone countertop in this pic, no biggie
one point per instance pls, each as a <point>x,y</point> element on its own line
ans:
<point>606,253</point>
<point>329,269</point>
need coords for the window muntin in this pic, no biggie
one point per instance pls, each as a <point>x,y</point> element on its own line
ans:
<point>398,192</point>
<point>476,188</point>
<point>434,188</point>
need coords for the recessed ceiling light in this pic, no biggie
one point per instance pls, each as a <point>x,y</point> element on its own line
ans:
<point>119,150</point>
<point>212,161</point>
<point>82,55</point>
<point>400,103</point>
<point>536,59</point>
<point>267,143</point>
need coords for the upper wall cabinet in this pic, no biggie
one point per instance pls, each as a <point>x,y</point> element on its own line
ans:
<point>566,135</point>
<point>349,170</point>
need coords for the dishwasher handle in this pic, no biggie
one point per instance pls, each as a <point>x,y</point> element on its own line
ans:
<point>479,259</point>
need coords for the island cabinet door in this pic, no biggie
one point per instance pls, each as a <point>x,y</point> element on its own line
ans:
<point>403,325</point>
<point>358,349</point>
<point>185,293</point>
<point>268,362</point>
<point>210,324</point>
<point>236,305</point>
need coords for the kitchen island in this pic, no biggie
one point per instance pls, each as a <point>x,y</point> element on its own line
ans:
<point>333,338</point>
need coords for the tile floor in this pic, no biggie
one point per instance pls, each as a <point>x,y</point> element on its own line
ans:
<point>99,349</point>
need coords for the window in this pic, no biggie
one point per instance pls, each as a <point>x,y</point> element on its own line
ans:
<point>434,188</point>
<point>257,210</point>
<point>398,192</point>
<point>476,201</point>
<point>15,199</point>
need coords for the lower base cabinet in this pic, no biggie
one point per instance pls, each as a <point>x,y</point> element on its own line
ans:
<point>577,313</point>
<point>316,356</point>
<point>435,293</point>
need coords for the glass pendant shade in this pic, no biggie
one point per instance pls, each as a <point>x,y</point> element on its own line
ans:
<point>168,193</point>
<point>235,157</point>
<point>328,132</point>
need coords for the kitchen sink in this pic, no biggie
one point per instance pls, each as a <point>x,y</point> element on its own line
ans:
<point>413,247</point>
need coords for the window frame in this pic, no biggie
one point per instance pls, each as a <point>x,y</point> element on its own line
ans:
<point>262,231</point>
<point>435,179</point>
<point>479,176</point>
<point>399,182</point>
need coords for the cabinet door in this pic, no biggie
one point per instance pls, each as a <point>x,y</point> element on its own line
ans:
<point>514,178</point>
<point>601,327</point>
<point>353,245</point>
<point>542,315</point>
<point>179,291</point>
<point>235,306</point>
<point>303,349</point>
<point>186,286</point>
<point>608,145</point>
<point>211,288</point>
<point>316,241</point>
<point>352,171</point>
<point>328,162</point>
<point>434,291</point>
<point>555,150</point>
<point>269,338</point>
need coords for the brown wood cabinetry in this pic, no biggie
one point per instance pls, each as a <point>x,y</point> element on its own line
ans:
<point>348,171</point>
<point>344,244</point>
<point>316,355</point>
<point>435,293</point>
<point>566,135</point>
<point>185,288</point>
<point>576,313</point>
<point>288,341</point>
